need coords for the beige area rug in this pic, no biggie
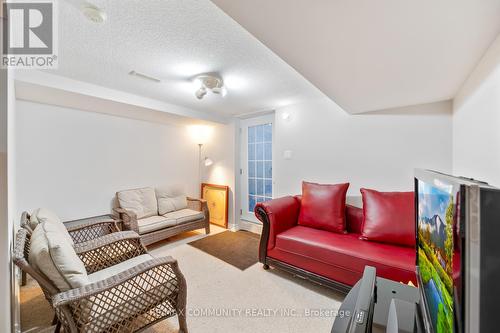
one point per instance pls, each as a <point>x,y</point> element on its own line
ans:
<point>223,298</point>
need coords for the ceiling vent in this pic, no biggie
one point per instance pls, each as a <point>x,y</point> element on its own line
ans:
<point>144,76</point>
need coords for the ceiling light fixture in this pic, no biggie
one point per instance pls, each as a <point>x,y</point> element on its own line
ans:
<point>209,82</point>
<point>93,13</point>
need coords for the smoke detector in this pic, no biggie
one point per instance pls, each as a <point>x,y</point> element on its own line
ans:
<point>209,82</point>
<point>93,13</point>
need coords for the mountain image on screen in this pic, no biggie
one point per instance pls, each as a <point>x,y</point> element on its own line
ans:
<point>436,228</point>
<point>435,253</point>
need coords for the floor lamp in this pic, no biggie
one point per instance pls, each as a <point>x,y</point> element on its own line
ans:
<point>201,134</point>
<point>202,162</point>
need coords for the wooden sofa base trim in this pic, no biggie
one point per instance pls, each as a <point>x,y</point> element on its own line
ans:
<point>162,234</point>
<point>301,273</point>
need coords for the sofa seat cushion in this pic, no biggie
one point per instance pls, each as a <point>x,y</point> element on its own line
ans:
<point>141,201</point>
<point>52,255</point>
<point>119,268</point>
<point>154,223</point>
<point>348,252</point>
<point>185,215</point>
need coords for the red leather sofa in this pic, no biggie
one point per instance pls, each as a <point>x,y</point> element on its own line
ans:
<point>332,259</point>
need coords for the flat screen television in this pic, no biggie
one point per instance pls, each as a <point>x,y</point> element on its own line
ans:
<point>458,252</point>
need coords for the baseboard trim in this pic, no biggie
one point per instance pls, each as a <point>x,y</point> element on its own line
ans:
<point>249,226</point>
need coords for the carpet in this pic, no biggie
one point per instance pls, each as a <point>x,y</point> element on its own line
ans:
<point>215,287</point>
<point>36,313</point>
<point>239,249</point>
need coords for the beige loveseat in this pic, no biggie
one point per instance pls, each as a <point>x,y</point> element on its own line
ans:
<point>156,214</point>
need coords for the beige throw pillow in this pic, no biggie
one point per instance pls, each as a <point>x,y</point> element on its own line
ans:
<point>52,255</point>
<point>170,199</point>
<point>41,215</point>
<point>141,201</point>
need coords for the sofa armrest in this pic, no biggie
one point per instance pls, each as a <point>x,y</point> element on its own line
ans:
<point>128,218</point>
<point>197,204</point>
<point>92,229</point>
<point>202,206</point>
<point>276,216</point>
<point>109,250</point>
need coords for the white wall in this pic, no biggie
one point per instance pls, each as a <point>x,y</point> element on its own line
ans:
<point>375,150</point>
<point>14,222</point>
<point>7,200</point>
<point>221,150</point>
<point>5,230</point>
<point>476,121</point>
<point>74,161</point>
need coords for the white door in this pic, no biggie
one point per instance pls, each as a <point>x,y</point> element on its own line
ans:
<point>256,172</point>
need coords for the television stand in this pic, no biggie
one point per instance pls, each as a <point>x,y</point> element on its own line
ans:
<point>406,297</point>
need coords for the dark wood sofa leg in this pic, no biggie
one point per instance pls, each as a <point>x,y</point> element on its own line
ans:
<point>207,229</point>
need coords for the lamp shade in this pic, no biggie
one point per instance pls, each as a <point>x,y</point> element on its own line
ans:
<point>208,162</point>
<point>200,134</point>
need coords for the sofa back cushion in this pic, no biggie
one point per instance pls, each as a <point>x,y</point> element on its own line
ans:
<point>141,201</point>
<point>41,215</point>
<point>170,199</point>
<point>323,206</point>
<point>53,256</point>
<point>353,219</point>
<point>388,217</point>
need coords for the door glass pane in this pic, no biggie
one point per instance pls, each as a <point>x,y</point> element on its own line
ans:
<point>251,186</point>
<point>260,147</point>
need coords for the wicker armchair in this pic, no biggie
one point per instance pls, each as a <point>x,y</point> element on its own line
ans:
<point>131,222</point>
<point>83,230</point>
<point>129,301</point>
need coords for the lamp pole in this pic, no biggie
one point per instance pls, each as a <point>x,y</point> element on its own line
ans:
<point>199,162</point>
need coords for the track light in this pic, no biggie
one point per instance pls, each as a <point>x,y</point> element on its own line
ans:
<point>201,92</point>
<point>209,82</point>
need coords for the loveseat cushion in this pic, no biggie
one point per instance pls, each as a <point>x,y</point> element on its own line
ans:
<point>170,199</point>
<point>322,249</point>
<point>55,257</point>
<point>389,217</point>
<point>141,201</point>
<point>41,215</point>
<point>154,223</point>
<point>185,215</point>
<point>323,206</point>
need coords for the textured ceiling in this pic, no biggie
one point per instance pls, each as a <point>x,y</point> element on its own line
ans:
<point>370,55</point>
<point>174,40</point>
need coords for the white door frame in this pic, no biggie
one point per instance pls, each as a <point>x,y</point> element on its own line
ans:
<point>245,216</point>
